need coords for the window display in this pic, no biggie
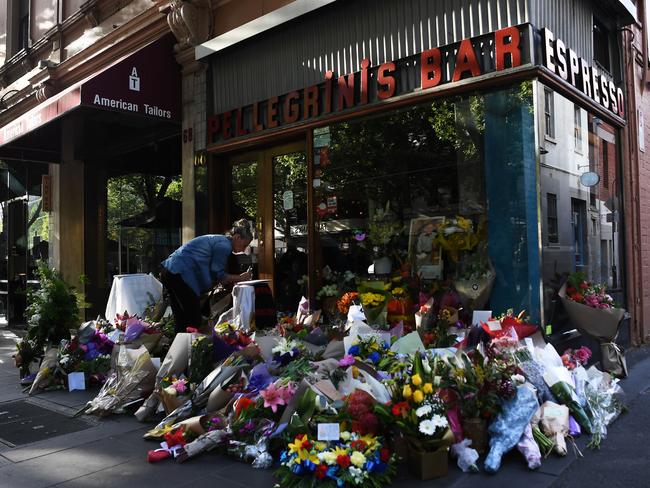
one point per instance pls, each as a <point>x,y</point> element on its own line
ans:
<point>406,199</point>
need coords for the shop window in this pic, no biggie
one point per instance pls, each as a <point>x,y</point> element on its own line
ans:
<point>404,196</point>
<point>577,128</point>
<point>549,114</point>
<point>601,40</point>
<point>551,218</point>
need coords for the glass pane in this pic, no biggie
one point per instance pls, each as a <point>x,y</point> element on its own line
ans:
<point>411,195</point>
<point>244,205</point>
<point>144,222</point>
<point>290,229</point>
<point>588,218</point>
<point>38,222</point>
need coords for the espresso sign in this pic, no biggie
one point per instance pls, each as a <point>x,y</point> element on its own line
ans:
<point>575,70</point>
<point>470,58</point>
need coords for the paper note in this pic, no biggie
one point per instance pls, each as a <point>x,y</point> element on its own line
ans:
<point>76,381</point>
<point>328,432</point>
<point>481,316</point>
<point>494,325</point>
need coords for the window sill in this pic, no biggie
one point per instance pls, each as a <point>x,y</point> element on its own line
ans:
<point>550,139</point>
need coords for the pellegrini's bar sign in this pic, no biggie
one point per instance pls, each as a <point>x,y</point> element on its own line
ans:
<point>470,58</point>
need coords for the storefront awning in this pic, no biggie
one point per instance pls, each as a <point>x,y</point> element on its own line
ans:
<point>146,83</point>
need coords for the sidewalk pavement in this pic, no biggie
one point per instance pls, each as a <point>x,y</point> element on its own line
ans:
<point>110,452</point>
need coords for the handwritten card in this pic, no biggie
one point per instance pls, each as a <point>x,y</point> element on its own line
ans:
<point>494,325</point>
<point>329,432</point>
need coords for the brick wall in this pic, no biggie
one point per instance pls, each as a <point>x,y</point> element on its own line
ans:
<point>638,216</point>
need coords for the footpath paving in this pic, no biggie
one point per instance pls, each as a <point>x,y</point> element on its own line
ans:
<point>110,452</point>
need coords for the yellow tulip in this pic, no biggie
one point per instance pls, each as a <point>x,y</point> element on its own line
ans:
<point>418,396</point>
<point>427,388</point>
<point>416,380</point>
<point>406,392</point>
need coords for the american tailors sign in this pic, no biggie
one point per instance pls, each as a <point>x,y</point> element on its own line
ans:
<point>148,83</point>
<point>470,58</point>
<point>503,49</point>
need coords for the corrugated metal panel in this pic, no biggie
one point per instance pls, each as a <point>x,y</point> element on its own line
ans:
<point>337,37</point>
<point>569,20</point>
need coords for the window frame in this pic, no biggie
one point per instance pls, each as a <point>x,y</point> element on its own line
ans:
<point>549,114</point>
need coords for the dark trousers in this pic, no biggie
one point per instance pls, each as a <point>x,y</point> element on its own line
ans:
<point>186,305</point>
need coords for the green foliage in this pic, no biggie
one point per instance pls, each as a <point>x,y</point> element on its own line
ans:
<point>53,309</point>
<point>200,359</point>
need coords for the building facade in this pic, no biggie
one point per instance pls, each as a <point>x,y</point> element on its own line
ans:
<point>326,117</point>
<point>348,132</point>
<point>91,114</point>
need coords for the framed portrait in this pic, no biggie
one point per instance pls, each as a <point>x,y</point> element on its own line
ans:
<point>423,247</point>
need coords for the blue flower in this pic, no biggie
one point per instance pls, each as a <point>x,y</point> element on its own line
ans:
<point>375,357</point>
<point>385,345</point>
<point>354,351</point>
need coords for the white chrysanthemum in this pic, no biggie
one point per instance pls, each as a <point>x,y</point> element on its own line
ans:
<point>439,421</point>
<point>345,435</point>
<point>427,427</point>
<point>424,410</point>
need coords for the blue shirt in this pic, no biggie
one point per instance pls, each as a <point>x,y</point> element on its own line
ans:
<point>201,262</point>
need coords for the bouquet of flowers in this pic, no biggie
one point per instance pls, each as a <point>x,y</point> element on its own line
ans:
<point>482,381</point>
<point>435,329</point>
<point>456,235</point>
<point>360,409</point>
<point>349,298</point>
<point>370,349</point>
<point>572,358</point>
<point>353,460</point>
<point>286,351</point>
<point>232,336</point>
<point>420,412</point>
<point>510,322</point>
<point>374,299</point>
<point>580,290</point>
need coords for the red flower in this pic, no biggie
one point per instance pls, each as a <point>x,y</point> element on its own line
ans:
<point>584,285</point>
<point>175,438</point>
<point>343,461</point>
<point>191,330</point>
<point>384,454</point>
<point>321,471</point>
<point>359,445</point>
<point>244,403</point>
<point>401,409</point>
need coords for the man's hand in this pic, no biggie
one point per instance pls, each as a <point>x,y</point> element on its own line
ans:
<point>247,276</point>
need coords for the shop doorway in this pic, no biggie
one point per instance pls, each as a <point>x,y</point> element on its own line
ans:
<point>269,188</point>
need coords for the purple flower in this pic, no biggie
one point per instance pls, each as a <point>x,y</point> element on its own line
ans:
<point>348,360</point>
